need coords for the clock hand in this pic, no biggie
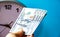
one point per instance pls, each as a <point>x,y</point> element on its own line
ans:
<point>10,22</point>
<point>7,25</point>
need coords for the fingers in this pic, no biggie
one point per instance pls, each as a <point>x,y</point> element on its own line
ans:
<point>20,33</point>
<point>16,34</point>
<point>30,36</point>
<point>10,35</point>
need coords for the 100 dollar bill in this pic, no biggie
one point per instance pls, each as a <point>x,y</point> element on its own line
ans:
<point>28,19</point>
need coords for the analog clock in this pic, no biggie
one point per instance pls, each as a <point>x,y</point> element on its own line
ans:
<point>9,12</point>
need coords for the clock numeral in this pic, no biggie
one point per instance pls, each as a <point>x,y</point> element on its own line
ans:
<point>8,7</point>
<point>17,9</point>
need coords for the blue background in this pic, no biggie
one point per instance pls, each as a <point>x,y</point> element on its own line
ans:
<point>50,25</point>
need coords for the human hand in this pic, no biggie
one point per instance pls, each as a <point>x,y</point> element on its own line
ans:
<point>20,33</point>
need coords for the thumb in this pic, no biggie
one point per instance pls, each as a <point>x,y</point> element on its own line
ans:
<point>20,33</point>
<point>16,34</point>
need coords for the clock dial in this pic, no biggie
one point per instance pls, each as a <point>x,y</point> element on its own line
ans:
<point>9,12</point>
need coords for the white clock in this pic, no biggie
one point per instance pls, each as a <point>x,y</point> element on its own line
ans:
<point>9,11</point>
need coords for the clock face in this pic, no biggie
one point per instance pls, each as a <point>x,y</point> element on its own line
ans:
<point>9,12</point>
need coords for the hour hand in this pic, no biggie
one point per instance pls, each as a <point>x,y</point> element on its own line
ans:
<point>7,25</point>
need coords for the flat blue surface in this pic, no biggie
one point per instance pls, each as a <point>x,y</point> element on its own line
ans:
<point>50,25</point>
